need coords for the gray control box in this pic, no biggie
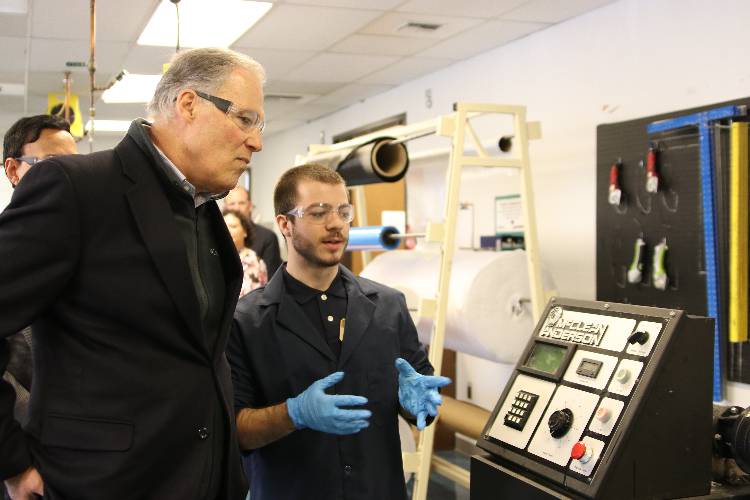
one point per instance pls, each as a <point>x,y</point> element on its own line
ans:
<point>607,401</point>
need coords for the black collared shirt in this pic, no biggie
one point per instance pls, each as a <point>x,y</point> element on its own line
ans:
<point>325,309</point>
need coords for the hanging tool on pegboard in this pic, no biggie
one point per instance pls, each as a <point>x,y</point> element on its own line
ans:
<point>615,193</point>
<point>659,269</point>
<point>652,175</point>
<point>635,272</point>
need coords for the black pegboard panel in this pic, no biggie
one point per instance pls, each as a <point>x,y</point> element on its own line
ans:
<point>674,213</point>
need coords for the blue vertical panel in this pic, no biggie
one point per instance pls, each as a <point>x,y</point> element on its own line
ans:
<point>703,121</point>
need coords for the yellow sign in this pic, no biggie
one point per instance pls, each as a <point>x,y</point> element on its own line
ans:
<point>56,106</point>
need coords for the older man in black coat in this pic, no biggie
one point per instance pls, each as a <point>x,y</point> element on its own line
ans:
<point>123,262</point>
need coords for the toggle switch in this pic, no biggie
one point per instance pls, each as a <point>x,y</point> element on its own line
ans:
<point>638,337</point>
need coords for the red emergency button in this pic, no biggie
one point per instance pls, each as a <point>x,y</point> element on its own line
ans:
<point>579,450</point>
<point>581,453</point>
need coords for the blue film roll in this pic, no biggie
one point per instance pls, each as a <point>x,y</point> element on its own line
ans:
<point>373,238</point>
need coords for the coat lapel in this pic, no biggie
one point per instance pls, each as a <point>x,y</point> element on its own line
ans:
<point>359,313</point>
<point>290,315</point>
<point>232,275</point>
<point>154,219</point>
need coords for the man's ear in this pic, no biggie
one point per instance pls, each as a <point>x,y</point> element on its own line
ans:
<point>185,105</point>
<point>11,171</point>
<point>284,225</point>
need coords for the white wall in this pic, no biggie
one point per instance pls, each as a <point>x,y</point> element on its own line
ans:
<point>626,60</point>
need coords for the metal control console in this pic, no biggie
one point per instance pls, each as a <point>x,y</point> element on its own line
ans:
<point>608,401</point>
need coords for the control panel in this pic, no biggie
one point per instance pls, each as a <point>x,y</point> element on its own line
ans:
<point>603,395</point>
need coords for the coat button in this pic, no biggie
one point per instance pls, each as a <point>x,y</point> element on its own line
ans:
<point>214,252</point>
<point>347,469</point>
<point>203,433</point>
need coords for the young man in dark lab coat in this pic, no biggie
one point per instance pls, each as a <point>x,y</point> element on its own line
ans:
<point>323,361</point>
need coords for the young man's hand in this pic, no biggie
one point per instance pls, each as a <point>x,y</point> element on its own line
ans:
<point>314,409</point>
<point>417,393</point>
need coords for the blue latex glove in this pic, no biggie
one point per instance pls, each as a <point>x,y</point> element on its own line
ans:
<point>314,409</point>
<point>418,393</point>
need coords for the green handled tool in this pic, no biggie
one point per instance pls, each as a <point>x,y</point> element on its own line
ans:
<point>660,271</point>
<point>635,272</point>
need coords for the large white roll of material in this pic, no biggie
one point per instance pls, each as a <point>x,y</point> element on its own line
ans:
<point>489,312</point>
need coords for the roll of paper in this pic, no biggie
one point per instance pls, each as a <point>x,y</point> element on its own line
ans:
<point>375,161</point>
<point>489,313</point>
<point>372,238</point>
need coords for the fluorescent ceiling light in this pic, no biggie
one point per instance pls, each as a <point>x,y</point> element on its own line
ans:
<point>218,23</point>
<point>108,126</point>
<point>13,7</point>
<point>132,88</point>
<point>7,89</point>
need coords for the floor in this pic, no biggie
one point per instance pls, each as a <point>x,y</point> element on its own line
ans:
<point>441,488</point>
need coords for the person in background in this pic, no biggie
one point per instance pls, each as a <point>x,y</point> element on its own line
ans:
<point>123,263</point>
<point>264,243</point>
<point>26,143</point>
<point>254,272</point>
<point>309,350</point>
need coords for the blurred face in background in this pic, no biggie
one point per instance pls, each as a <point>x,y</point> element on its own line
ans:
<point>238,199</point>
<point>236,231</point>
<point>51,142</point>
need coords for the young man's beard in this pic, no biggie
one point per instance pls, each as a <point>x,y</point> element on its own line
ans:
<point>306,249</point>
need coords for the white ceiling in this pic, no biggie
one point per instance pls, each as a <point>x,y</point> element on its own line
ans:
<point>331,53</point>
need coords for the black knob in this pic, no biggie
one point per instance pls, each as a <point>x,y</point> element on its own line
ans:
<point>559,422</point>
<point>640,337</point>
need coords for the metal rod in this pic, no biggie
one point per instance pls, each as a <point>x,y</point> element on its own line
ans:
<point>27,65</point>
<point>92,72</point>
<point>407,235</point>
<point>66,102</point>
<point>412,137</point>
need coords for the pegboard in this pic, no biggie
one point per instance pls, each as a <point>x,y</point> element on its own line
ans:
<point>673,213</point>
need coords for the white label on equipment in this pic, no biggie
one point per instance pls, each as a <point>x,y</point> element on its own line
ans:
<point>513,437</point>
<point>600,381</point>
<point>598,330</point>
<point>557,450</point>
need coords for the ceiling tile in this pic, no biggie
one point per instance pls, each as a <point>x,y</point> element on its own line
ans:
<point>277,63</point>
<point>405,70</point>
<point>390,23</point>
<point>51,55</point>
<point>43,82</point>
<point>487,36</point>
<point>296,26</point>
<point>352,4</point>
<point>352,93</point>
<point>115,21</point>
<point>312,111</point>
<point>277,107</point>
<point>383,45</point>
<point>300,87</point>
<point>340,67</point>
<point>11,104</point>
<point>553,11</point>
<point>147,60</point>
<point>13,25</point>
<point>13,53</point>
<point>276,126</point>
<point>128,111</point>
<point>466,8</point>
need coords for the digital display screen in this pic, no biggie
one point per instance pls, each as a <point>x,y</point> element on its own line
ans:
<point>546,357</point>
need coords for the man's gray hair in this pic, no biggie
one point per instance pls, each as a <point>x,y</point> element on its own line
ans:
<point>203,69</point>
